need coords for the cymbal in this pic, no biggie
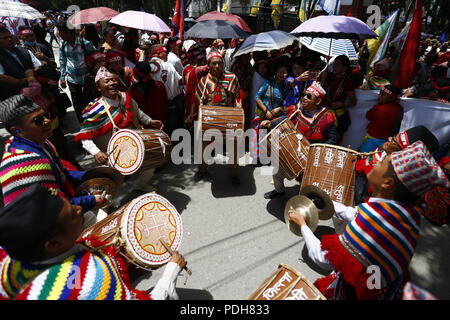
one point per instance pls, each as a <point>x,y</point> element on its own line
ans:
<point>307,208</point>
<point>96,186</point>
<point>104,172</point>
<point>321,200</point>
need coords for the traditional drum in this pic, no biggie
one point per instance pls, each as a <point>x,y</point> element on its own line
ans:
<point>221,118</point>
<point>293,148</point>
<point>137,228</point>
<point>130,150</point>
<point>286,283</point>
<point>330,171</point>
<point>98,180</point>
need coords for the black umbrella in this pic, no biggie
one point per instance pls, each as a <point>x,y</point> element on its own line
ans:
<point>216,29</point>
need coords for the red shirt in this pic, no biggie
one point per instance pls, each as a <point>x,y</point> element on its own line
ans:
<point>155,105</point>
<point>383,118</point>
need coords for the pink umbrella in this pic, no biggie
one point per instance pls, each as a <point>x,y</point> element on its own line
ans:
<point>216,15</point>
<point>93,15</point>
<point>140,20</point>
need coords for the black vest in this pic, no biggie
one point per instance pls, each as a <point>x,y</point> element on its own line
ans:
<point>14,69</point>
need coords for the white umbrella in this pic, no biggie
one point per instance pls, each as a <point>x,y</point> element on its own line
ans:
<point>17,9</point>
<point>271,40</point>
<point>331,47</point>
<point>140,20</point>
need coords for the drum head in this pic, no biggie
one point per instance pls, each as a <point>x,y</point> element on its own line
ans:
<point>148,219</point>
<point>126,151</point>
<point>321,200</point>
<point>104,172</point>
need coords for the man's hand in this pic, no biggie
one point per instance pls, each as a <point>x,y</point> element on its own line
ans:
<point>269,115</point>
<point>190,119</point>
<point>101,158</point>
<point>408,93</point>
<point>304,76</point>
<point>63,84</point>
<point>157,124</point>
<point>266,124</point>
<point>296,217</point>
<point>178,259</point>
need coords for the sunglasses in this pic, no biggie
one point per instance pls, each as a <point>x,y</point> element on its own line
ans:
<point>39,119</point>
<point>308,96</point>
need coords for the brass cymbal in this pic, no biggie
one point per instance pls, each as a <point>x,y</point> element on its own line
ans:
<point>321,200</point>
<point>104,172</point>
<point>307,208</point>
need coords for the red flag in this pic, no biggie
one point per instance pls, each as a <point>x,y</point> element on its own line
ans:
<point>349,13</point>
<point>178,17</point>
<point>405,75</point>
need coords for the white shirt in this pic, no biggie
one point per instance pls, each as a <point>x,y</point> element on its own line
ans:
<point>100,143</point>
<point>34,60</point>
<point>313,244</point>
<point>176,62</point>
<point>169,76</point>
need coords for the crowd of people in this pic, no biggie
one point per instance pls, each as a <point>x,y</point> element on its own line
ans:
<point>125,78</point>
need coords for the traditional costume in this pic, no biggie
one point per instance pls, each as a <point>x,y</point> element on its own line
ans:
<point>103,116</point>
<point>384,122</point>
<point>25,163</point>
<point>77,274</point>
<point>316,127</point>
<point>381,234</point>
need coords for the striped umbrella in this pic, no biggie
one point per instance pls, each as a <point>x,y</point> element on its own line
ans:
<point>18,9</point>
<point>330,47</point>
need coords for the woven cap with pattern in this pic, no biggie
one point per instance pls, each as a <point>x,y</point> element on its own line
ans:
<point>417,169</point>
<point>15,107</point>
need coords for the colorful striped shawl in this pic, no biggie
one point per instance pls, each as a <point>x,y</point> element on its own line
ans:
<point>229,82</point>
<point>377,82</point>
<point>20,168</point>
<point>96,120</point>
<point>384,234</point>
<point>100,275</point>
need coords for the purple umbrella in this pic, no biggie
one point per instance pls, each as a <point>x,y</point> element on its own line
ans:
<point>336,27</point>
<point>140,20</point>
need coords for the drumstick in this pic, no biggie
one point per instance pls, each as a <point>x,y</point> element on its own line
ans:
<point>189,272</point>
<point>112,151</point>
<point>264,138</point>
<point>115,160</point>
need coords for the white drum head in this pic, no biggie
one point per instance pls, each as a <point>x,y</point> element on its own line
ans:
<point>148,219</point>
<point>126,151</point>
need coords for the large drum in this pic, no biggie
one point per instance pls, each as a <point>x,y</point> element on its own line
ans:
<point>130,150</point>
<point>221,118</point>
<point>136,229</point>
<point>331,169</point>
<point>293,148</point>
<point>286,283</point>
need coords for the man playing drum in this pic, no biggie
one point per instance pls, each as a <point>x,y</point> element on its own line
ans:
<point>112,111</point>
<point>371,257</point>
<point>313,121</point>
<point>43,261</point>
<point>30,158</point>
<point>217,88</point>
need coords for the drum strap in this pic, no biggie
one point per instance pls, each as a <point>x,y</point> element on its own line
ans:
<point>106,105</point>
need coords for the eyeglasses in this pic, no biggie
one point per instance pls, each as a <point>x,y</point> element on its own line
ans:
<point>39,119</point>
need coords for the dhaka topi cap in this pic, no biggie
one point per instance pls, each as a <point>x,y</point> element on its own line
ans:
<point>417,170</point>
<point>102,73</point>
<point>15,107</point>
<point>316,89</point>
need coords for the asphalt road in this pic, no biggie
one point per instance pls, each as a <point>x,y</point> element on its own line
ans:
<point>233,238</point>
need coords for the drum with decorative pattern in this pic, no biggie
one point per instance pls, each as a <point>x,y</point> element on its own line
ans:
<point>221,118</point>
<point>137,228</point>
<point>332,169</point>
<point>132,149</point>
<point>286,283</point>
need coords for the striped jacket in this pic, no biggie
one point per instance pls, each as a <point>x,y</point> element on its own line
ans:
<point>208,85</point>
<point>100,275</point>
<point>383,235</point>
<point>25,163</point>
